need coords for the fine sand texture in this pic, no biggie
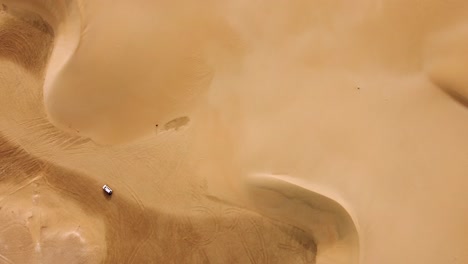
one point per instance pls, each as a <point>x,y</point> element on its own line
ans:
<point>263,132</point>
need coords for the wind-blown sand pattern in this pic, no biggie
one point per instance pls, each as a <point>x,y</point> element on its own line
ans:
<point>326,132</point>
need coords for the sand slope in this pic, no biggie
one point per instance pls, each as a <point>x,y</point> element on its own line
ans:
<point>233,132</point>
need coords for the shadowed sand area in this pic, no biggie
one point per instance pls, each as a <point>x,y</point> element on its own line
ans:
<point>51,215</point>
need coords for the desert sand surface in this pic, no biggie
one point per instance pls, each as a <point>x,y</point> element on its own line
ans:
<point>326,132</point>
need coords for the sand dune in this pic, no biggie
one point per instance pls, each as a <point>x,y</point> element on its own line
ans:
<point>233,132</point>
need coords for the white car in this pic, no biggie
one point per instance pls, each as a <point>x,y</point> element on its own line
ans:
<point>107,189</point>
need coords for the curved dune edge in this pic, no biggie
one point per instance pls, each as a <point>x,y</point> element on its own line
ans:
<point>296,202</point>
<point>64,19</point>
<point>31,52</point>
<point>446,55</point>
<point>169,73</point>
